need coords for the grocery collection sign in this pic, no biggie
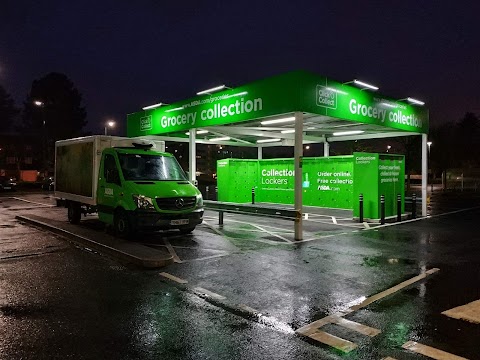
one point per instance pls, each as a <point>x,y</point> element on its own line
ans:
<point>343,101</point>
<point>279,95</point>
<point>273,96</point>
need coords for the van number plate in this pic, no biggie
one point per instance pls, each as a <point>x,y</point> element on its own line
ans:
<point>179,222</point>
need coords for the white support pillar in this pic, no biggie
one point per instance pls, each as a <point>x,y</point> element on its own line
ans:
<point>260,153</point>
<point>192,156</point>
<point>424,174</point>
<point>326,148</point>
<point>298,160</point>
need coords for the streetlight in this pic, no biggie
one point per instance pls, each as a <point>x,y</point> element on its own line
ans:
<point>41,104</point>
<point>429,143</point>
<point>389,147</point>
<point>109,124</point>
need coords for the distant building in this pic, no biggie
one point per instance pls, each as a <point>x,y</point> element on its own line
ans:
<point>19,152</point>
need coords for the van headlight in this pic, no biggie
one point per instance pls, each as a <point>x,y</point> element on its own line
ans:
<point>143,202</point>
<point>199,201</point>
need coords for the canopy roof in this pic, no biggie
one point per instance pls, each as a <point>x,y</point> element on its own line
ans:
<point>246,114</point>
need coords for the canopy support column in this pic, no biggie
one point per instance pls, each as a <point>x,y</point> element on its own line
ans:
<point>424,174</point>
<point>192,156</point>
<point>259,151</point>
<point>326,148</point>
<point>298,160</point>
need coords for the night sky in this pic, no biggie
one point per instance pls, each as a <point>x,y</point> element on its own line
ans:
<point>123,55</point>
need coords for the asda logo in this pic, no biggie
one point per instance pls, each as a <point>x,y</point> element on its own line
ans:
<point>146,123</point>
<point>326,97</point>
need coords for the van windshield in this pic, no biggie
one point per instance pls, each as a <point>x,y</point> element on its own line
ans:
<point>138,167</point>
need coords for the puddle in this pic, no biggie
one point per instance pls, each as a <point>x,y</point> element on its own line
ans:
<point>374,261</point>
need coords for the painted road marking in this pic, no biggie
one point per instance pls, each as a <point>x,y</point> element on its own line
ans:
<point>389,358</point>
<point>365,224</point>
<point>32,202</point>
<point>362,329</point>
<point>172,252</point>
<point>248,309</point>
<point>334,220</point>
<point>310,329</point>
<point>469,312</point>
<point>213,228</point>
<point>271,233</point>
<point>393,289</point>
<point>206,258</point>
<point>334,341</point>
<point>202,291</point>
<point>430,351</point>
<point>173,278</point>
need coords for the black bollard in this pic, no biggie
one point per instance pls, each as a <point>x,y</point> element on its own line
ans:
<point>382,209</point>
<point>399,207</point>
<point>360,203</point>
<point>414,206</point>
<point>216,193</point>
<point>253,195</point>
<point>206,193</point>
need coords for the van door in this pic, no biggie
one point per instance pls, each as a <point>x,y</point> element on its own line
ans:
<point>109,188</point>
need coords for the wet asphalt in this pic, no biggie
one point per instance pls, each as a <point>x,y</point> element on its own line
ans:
<point>59,300</point>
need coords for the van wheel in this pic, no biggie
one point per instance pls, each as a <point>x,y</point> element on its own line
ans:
<point>121,224</point>
<point>187,230</point>
<point>74,213</point>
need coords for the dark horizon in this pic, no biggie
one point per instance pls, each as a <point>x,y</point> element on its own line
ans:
<point>122,57</point>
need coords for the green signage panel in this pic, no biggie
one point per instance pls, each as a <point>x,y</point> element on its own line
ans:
<point>278,95</point>
<point>329,182</point>
<point>377,175</point>
<point>273,96</point>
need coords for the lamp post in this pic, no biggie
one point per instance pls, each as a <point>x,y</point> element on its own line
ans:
<point>41,104</point>
<point>389,147</point>
<point>109,124</point>
<point>429,143</point>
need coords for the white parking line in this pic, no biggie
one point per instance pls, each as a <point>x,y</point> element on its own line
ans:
<point>334,341</point>
<point>172,252</point>
<point>309,329</point>
<point>32,202</point>
<point>430,351</point>
<point>205,292</point>
<point>360,328</point>
<point>205,258</point>
<point>393,289</point>
<point>334,220</point>
<point>173,278</point>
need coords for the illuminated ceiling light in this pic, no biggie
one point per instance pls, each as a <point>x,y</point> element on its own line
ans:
<point>225,138</point>
<point>364,84</point>
<point>388,105</point>
<point>278,121</point>
<point>153,106</point>
<point>336,90</point>
<point>289,131</point>
<point>267,140</point>
<point>208,91</point>
<point>38,103</point>
<point>239,94</point>
<point>175,109</point>
<point>199,132</point>
<point>415,101</point>
<point>351,132</point>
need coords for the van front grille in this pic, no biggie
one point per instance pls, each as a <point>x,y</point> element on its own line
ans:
<point>176,203</point>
